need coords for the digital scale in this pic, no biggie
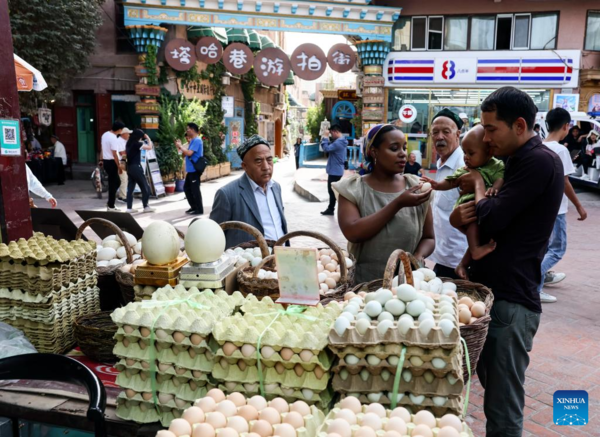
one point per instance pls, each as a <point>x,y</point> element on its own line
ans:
<point>207,275</point>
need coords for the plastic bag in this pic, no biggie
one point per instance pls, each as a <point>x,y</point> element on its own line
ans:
<point>13,342</point>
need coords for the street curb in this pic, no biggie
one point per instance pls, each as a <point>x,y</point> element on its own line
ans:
<point>298,188</point>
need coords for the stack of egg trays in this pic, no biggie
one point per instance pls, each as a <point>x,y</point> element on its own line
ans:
<point>322,431</point>
<point>143,292</point>
<point>435,345</point>
<point>280,376</point>
<point>182,367</point>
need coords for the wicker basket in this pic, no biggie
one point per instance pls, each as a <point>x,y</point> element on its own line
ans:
<point>110,298</point>
<point>476,333</point>
<point>253,244</point>
<point>94,335</point>
<point>346,274</point>
<point>126,280</point>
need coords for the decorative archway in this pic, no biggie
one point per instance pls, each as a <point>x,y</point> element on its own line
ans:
<point>342,113</point>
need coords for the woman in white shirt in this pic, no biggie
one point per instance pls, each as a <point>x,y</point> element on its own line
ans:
<point>60,156</point>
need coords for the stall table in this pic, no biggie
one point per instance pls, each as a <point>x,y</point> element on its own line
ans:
<point>45,170</point>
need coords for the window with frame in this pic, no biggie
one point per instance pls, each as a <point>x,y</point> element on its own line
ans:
<point>419,33</point>
<point>401,33</point>
<point>543,31</point>
<point>482,32</point>
<point>456,33</point>
<point>592,31</point>
<point>435,32</point>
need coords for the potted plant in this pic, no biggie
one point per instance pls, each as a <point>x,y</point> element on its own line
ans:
<point>225,168</point>
<point>213,169</point>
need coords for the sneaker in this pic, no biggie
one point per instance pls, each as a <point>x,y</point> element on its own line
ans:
<point>130,211</point>
<point>547,298</point>
<point>552,278</point>
<point>109,209</point>
<point>194,212</point>
<point>148,209</point>
<point>121,200</point>
<point>327,212</point>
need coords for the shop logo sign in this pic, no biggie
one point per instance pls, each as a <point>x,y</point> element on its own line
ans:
<point>448,71</point>
<point>571,408</point>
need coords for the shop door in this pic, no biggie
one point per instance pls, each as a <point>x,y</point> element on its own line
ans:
<point>235,134</point>
<point>86,147</point>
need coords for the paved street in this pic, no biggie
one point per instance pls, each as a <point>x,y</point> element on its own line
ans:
<point>566,349</point>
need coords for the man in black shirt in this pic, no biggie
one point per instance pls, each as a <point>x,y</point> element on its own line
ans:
<point>412,166</point>
<point>520,219</point>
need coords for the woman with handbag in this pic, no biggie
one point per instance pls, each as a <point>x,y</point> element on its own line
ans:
<point>195,163</point>
<point>138,141</point>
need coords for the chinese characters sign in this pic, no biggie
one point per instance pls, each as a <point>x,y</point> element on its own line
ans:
<point>209,50</point>
<point>238,58</point>
<point>180,54</point>
<point>272,66</point>
<point>309,62</point>
<point>341,58</point>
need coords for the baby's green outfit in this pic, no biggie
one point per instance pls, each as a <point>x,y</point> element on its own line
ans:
<point>491,172</point>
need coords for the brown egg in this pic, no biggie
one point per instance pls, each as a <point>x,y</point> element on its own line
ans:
<point>285,430</point>
<point>126,342</point>
<point>229,349</point>
<point>237,398</point>
<point>196,339</point>
<point>178,337</point>
<point>349,295</point>
<point>463,306</point>
<point>227,408</point>
<point>248,412</point>
<point>165,433</point>
<point>228,432</point>
<point>252,434</point>
<point>339,426</point>
<point>193,385</point>
<point>216,420</point>
<point>279,367</point>
<point>320,268</point>
<point>330,267</point>
<point>377,409</point>
<point>180,427</point>
<point>422,430</point>
<point>128,329</point>
<point>207,404</point>
<point>478,309</point>
<point>197,374</point>
<point>300,407</point>
<point>193,415</point>
<point>424,417</point>
<point>393,434</point>
<point>452,421</point>
<point>203,430</point>
<point>325,259</point>
<point>145,364</point>
<point>224,364</point>
<point>258,402</point>
<point>262,428</point>
<point>473,320</point>
<point>271,415</point>
<point>299,369</point>
<point>145,332</point>
<point>362,294</point>
<point>242,365</point>
<point>464,316</point>
<point>319,372</point>
<point>372,420</point>
<point>365,431</point>
<point>147,396</point>
<point>280,405</point>
<point>286,353</point>
<point>336,276</point>
<point>402,413</point>
<point>129,362</point>
<point>180,370</point>
<point>347,415</point>
<point>467,301</point>
<point>267,352</point>
<point>330,282</point>
<point>295,419</point>
<point>238,423</point>
<point>130,393</point>
<point>396,424</point>
<point>163,367</point>
<point>192,353</point>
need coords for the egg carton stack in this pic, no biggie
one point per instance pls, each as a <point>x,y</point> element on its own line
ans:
<point>143,292</point>
<point>368,339</point>
<point>293,351</point>
<point>178,351</point>
<point>235,415</point>
<point>351,419</point>
<point>45,285</point>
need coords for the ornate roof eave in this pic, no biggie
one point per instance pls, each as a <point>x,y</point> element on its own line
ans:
<point>357,17</point>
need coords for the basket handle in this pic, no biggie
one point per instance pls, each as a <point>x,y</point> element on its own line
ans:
<point>245,227</point>
<point>110,225</point>
<point>328,241</point>
<point>397,256</point>
<point>261,264</point>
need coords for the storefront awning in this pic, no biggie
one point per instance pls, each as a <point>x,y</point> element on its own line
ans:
<point>28,78</point>
<point>216,32</point>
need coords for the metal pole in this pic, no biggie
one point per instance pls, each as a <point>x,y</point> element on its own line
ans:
<point>15,215</point>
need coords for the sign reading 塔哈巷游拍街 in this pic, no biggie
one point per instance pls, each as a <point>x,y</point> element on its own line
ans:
<point>202,90</point>
<point>298,275</point>
<point>272,66</point>
<point>180,54</point>
<point>10,137</point>
<point>308,61</point>
<point>209,50</point>
<point>238,58</point>
<point>341,58</point>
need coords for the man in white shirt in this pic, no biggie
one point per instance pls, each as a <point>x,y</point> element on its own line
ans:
<point>122,140</point>
<point>60,156</point>
<point>450,243</point>
<point>111,162</point>
<point>558,121</point>
<point>34,185</point>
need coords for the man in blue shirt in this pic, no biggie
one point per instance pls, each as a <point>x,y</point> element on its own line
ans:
<point>335,162</point>
<point>192,180</point>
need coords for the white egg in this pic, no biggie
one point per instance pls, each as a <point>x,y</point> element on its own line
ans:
<point>417,400</point>
<point>417,283</point>
<point>340,325</point>
<point>445,298</point>
<point>424,286</point>
<point>351,360</point>
<point>406,293</point>
<point>352,309</point>
<point>322,277</point>
<point>446,327</point>
<point>385,374</point>
<point>418,275</point>
<point>426,186</point>
<point>449,286</point>
<point>395,307</point>
<point>373,360</point>
<point>407,375</point>
<point>363,316</point>
<point>415,308</point>
<point>348,315</point>
<point>373,308</point>
<point>399,396</point>
<point>435,285</point>
<point>407,316</point>
<point>393,360</point>
<point>362,326</point>
<point>416,361</point>
<point>204,241</point>
<point>382,327</point>
<point>439,401</point>
<point>451,379</point>
<point>427,273</point>
<point>447,310</point>
<point>255,261</point>
<point>450,317</point>
<point>395,282</point>
<point>356,301</point>
<point>374,397</point>
<point>426,326</point>
<point>427,314</point>
<point>404,325</point>
<point>383,295</point>
<point>438,363</point>
<point>106,254</point>
<point>385,316</point>
<point>364,375</point>
<point>161,242</point>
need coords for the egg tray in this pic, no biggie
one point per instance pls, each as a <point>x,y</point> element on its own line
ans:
<point>41,248</point>
<point>165,340</point>
<point>141,412</point>
<point>140,293</point>
<point>288,378</point>
<point>29,300</point>
<point>322,359</point>
<point>170,404</point>
<point>376,384</point>
<point>384,351</point>
<point>201,362</point>
<point>322,431</point>
<point>322,399</point>
<point>162,375</point>
<point>46,270</point>
<point>452,405</point>
<point>184,391</point>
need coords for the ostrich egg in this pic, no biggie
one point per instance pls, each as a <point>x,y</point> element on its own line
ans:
<point>160,243</point>
<point>204,241</point>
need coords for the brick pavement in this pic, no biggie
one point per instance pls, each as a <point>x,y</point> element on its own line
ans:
<point>566,352</point>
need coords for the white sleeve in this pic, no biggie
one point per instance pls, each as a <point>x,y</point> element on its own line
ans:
<point>35,186</point>
<point>114,144</point>
<point>567,162</point>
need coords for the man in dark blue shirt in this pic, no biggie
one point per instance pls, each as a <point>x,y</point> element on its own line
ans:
<point>193,153</point>
<point>520,220</point>
<point>335,163</point>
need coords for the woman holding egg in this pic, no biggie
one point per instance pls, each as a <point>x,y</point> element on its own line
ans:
<point>383,209</point>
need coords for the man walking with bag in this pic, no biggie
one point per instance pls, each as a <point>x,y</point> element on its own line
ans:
<point>195,163</point>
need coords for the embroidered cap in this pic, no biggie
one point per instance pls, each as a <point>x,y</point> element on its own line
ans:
<point>251,142</point>
<point>451,115</point>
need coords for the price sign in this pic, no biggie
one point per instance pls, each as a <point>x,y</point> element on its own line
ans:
<point>298,275</point>
<point>407,113</point>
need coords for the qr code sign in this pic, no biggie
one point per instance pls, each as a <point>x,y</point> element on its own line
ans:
<point>10,135</point>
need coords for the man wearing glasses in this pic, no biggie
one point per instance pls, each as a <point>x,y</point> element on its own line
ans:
<point>450,243</point>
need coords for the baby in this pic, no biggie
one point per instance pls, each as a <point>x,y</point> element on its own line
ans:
<point>477,157</point>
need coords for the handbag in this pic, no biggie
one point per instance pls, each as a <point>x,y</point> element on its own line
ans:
<point>200,165</point>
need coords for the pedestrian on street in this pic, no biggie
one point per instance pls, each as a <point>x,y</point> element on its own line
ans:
<point>558,121</point>
<point>412,166</point>
<point>520,220</point>
<point>60,157</point>
<point>254,198</point>
<point>138,141</point>
<point>193,153</point>
<point>337,150</point>
<point>112,162</point>
<point>384,210</point>
<point>450,244</point>
<point>297,152</point>
<point>122,139</point>
<point>36,187</point>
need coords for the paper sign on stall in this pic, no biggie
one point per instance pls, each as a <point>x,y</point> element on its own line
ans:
<point>298,276</point>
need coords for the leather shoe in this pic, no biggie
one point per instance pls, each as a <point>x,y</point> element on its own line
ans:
<point>327,212</point>
<point>189,210</point>
<point>194,212</point>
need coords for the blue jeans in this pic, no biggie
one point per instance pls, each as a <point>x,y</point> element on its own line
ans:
<point>556,248</point>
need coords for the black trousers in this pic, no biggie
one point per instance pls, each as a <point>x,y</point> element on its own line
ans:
<point>445,272</point>
<point>114,181</point>
<point>330,180</point>
<point>135,175</point>
<point>297,162</point>
<point>192,191</point>
<point>60,171</point>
